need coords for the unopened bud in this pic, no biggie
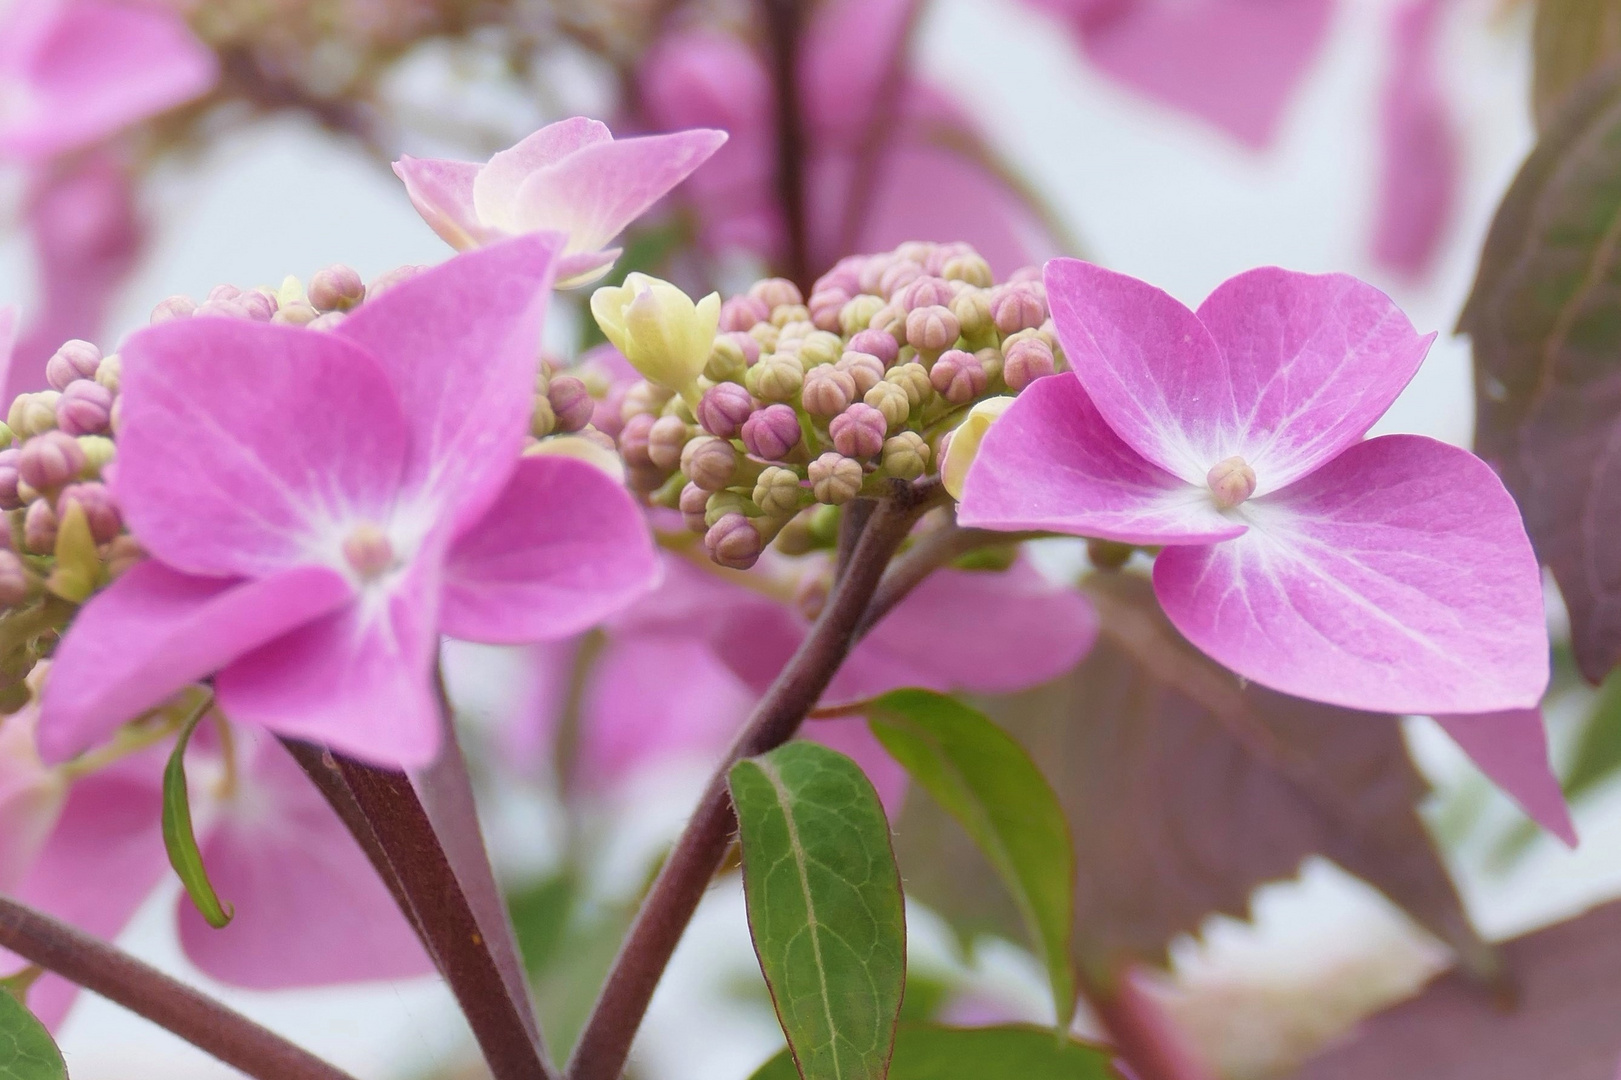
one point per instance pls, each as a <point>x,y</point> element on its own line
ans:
<point>327,320</point>
<point>50,460</point>
<point>1231,482</point>
<point>825,307</point>
<point>777,377</point>
<point>941,254</point>
<point>890,400</point>
<point>741,312</point>
<point>866,369</point>
<point>665,441</point>
<point>875,343</point>
<point>110,373</point>
<point>730,358</point>
<point>659,329</point>
<point>694,500</point>
<point>858,431</point>
<point>720,504</point>
<point>818,348</point>
<point>85,408</point>
<point>77,565</point>
<point>723,410</point>
<point>295,313</point>
<point>1026,361</point>
<point>958,455</point>
<point>777,492</point>
<point>973,310</point>
<point>776,292</point>
<point>123,553</point>
<point>835,479</point>
<point>900,274</point>
<point>827,391</point>
<point>791,315</point>
<point>709,462</point>
<point>891,320</point>
<point>337,288</point>
<point>99,450</point>
<point>906,455</point>
<point>926,292</point>
<point>17,584</point>
<point>914,379</point>
<point>734,542</point>
<point>856,315</point>
<point>971,268</point>
<point>39,527</point>
<point>542,417</point>
<point>257,305</point>
<point>932,329</point>
<point>957,376</point>
<point>385,281</point>
<point>1017,307</point>
<point>772,432</point>
<point>572,403</point>
<point>174,307</point>
<point>100,509</point>
<point>32,414</point>
<point>633,441</point>
<point>74,360</point>
<point>644,397</point>
<point>9,497</point>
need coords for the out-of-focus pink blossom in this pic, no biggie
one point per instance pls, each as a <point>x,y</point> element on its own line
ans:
<point>571,177</point>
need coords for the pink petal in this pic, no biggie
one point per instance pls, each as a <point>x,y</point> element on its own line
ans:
<point>155,630</point>
<point>1420,155</point>
<point>246,476</point>
<point>1282,369</point>
<point>442,192</point>
<point>87,235</point>
<point>1233,63</point>
<point>1511,748</point>
<point>1052,463</point>
<point>851,47</point>
<point>31,797</point>
<point>460,345</point>
<point>593,194</point>
<point>852,737</point>
<point>496,187</point>
<point>1396,578</point>
<point>8,348</point>
<point>562,548</point>
<point>103,859</point>
<point>359,680</point>
<point>82,70</point>
<point>310,910</point>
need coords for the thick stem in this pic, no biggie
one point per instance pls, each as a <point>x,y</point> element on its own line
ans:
<point>782,20</point>
<point>937,548</point>
<point>195,1017</point>
<point>1143,1036</point>
<point>605,1043</point>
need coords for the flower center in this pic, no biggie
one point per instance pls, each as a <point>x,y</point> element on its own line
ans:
<point>367,551</point>
<point>1231,482</point>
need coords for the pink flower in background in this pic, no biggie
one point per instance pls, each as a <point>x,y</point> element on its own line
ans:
<point>571,177</point>
<point>310,911</point>
<point>317,523</point>
<point>1390,574</point>
<point>1419,165</point>
<point>873,178</point>
<point>76,72</point>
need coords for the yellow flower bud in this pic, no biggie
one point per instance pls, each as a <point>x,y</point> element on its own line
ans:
<point>78,565</point>
<point>664,335</point>
<point>965,440</point>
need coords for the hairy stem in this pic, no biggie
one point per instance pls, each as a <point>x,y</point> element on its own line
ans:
<point>605,1043</point>
<point>782,20</point>
<point>174,1006</point>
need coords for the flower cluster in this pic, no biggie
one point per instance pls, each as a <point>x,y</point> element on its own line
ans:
<point>767,407</point>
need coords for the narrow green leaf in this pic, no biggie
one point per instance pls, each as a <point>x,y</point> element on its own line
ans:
<point>178,837</point>
<point>1010,1052</point>
<point>825,908</point>
<point>27,1051</point>
<point>986,780</point>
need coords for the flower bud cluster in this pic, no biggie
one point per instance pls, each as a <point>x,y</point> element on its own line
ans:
<point>808,402</point>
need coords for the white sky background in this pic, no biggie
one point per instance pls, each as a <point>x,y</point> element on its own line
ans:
<point>1150,193</point>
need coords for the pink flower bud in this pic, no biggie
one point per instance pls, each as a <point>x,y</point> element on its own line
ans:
<point>1231,482</point>
<point>572,403</point>
<point>739,313</point>
<point>723,409</point>
<point>39,527</point>
<point>941,254</point>
<point>859,431</point>
<point>9,499</point>
<point>223,309</point>
<point>866,369</point>
<point>932,329</point>
<point>1026,361</point>
<point>257,306</point>
<point>926,292</point>
<point>827,391</point>
<point>1025,273</point>
<point>875,343</point>
<point>1017,307</point>
<point>825,307</point>
<point>50,460</point>
<point>957,376</point>
<point>845,276</point>
<point>898,277</point>
<point>750,347</point>
<point>835,479</point>
<point>174,307</point>
<point>223,294</point>
<point>15,581</point>
<point>85,408</point>
<point>337,288</point>
<point>733,541</point>
<point>872,271</point>
<point>777,292</point>
<point>634,439</point>
<point>100,509</point>
<point>709,462</point>
<point>771,432</point>
<point>665,440</point>
<point>693,502</point>
<point>327,320</point>
<point>390,278</point>
<point>74,360</point>
<point>891,400</point>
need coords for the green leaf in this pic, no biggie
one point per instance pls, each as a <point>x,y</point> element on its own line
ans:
<point>987,781</point>
<point>178,838</point>
<point>1010,1052</point>
<point>825,908</point>
<point>27,1051</point>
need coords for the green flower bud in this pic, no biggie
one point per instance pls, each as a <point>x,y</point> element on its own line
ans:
<point>785,314</point>
<point>777,377</point>
<point>835,479</point>
<point>970,268</point>
<point>542,418</point>
<point>856,315</point>
<point>110,372</point>
<point>720,504</point>
<point>777,493</point>
<point>906,455</point>
<point>727,361</point>
<point>819,347</point>
<point>912,377</point>
<point>892,400</point>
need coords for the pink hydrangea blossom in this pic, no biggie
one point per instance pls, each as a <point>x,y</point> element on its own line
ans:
<point>316,522</point>
<point>571,177</point>
<point>309,909</point>
<point>75,72</point>
<point>927,177</point>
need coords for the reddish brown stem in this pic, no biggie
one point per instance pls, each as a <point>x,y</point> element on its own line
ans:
<point>782,21</point>
<point>173,1006</point>
<point>1144,1037</point>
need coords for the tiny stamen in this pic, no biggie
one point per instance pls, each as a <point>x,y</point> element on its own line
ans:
<point>367,550</point>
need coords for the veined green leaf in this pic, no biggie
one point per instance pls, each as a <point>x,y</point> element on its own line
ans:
<point>1009,1052</point>
<point>824,905</point>
<point>178,838</point>
<point>27,1051</point>
<point>987,781</point>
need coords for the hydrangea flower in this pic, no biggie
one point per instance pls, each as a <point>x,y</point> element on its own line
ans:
<point>309,909</point>
<point>571,177</point>
<point>317,521</point>
<point>1391,574</point>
